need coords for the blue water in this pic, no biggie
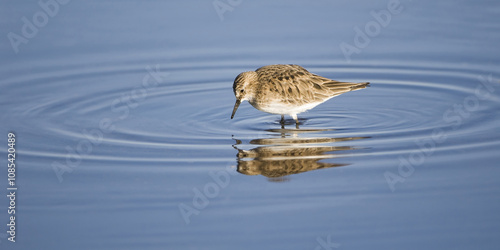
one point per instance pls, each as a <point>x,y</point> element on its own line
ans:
<point>121,112</point>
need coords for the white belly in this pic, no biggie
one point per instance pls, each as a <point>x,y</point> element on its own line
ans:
<point>284,108</point>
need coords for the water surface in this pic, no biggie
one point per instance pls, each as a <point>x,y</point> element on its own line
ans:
<point>124,137</point>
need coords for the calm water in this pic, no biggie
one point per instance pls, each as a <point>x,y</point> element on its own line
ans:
<point>121,113</point>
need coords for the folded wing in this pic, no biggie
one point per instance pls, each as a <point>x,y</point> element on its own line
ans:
<point>298,85</point>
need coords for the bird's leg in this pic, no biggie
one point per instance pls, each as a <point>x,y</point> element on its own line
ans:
<point>294,116</point>
<point>282,122</point>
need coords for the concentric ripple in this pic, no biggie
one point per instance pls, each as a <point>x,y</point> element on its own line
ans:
<point>187,115</point>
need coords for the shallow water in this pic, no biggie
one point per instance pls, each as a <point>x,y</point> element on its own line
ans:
<point>124,139</point>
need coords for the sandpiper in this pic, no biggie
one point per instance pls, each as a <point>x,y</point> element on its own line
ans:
<point>287,90</point>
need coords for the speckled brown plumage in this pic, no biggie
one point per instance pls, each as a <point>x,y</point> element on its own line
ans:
<point>287,89</point>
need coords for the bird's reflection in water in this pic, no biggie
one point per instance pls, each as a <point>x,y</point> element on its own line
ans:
<point>288,154</point>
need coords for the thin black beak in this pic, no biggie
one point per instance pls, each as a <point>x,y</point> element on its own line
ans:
<point>235,108</point>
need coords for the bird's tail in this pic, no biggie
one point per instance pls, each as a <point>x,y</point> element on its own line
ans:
<point>342,87</point>
<point>360,85</point>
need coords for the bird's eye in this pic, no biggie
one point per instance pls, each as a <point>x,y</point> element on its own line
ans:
<point>242,91</point>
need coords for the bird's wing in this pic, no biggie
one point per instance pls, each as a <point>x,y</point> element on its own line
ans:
<point>299,85</point>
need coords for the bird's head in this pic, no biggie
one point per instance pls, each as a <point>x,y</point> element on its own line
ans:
<point>242,88</point>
